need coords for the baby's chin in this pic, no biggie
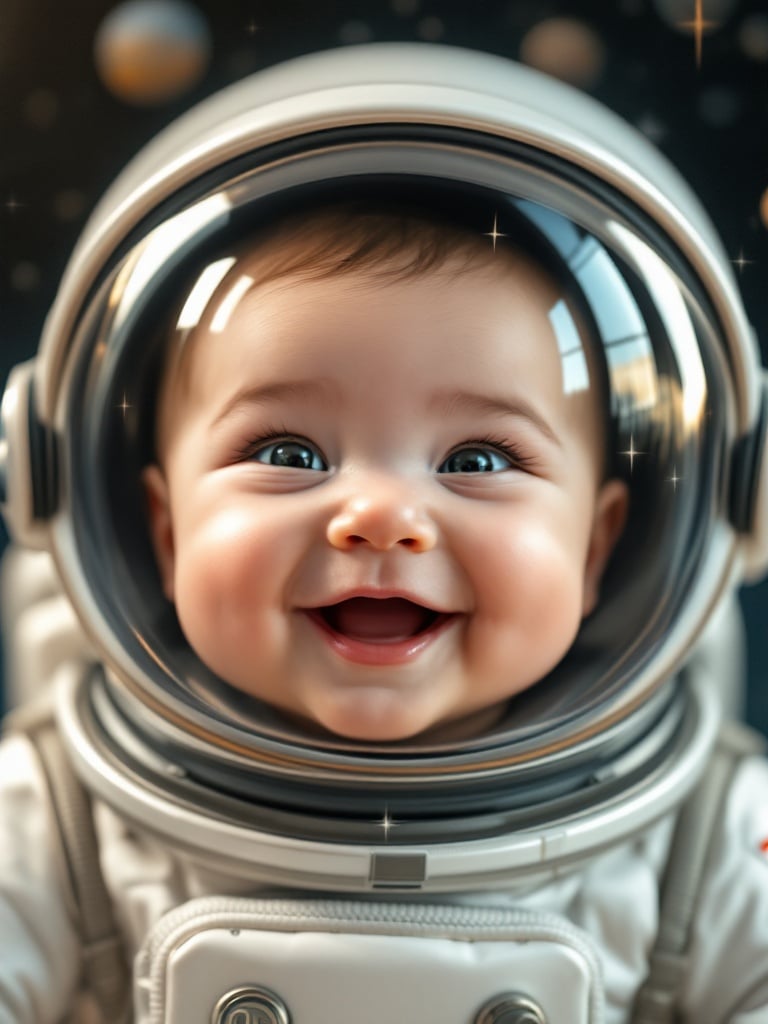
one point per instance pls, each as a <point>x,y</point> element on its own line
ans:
<point>383,729</point>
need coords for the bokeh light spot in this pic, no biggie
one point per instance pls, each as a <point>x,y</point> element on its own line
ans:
<point>565,48</point>
<point>241,62</point>
<point>355,31</point>
<point>69,204</point>
<point>151,51</point>
<point>431,29</point>
<point>41,108</point>
<point>405,8</point>
<point>651,127</point>
<point>753,37</point>
<point>25,277</point>
<point>719,106</point>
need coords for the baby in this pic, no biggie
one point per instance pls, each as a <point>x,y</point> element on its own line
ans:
<point>380,500</point>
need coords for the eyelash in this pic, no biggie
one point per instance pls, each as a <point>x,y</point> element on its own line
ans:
<point>504,446</point>
<point>269,436</point>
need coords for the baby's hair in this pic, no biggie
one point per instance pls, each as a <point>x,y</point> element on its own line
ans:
<point>394,242</point>
<point>390,243</point>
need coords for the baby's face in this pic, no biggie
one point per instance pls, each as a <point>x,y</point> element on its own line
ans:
<point>378,509</point>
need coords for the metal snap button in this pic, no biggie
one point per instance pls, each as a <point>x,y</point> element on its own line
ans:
<point>510,1008</point>
<point>250,1005</point>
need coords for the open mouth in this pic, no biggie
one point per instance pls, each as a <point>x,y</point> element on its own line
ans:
<point>372,620</point>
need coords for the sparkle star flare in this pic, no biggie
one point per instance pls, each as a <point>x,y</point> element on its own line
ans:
<point>494,233</point>
<point>387,823</point>
<point>674,479</point>
<point>125,405</point>
<point>741,261</point>
<point>699,25</point>
<point>632,452</point>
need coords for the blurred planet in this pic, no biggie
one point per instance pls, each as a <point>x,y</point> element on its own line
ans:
<point>150,51</point>
<point>565,48</point>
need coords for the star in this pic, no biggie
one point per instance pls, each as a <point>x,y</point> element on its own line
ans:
<point>125,405</point>
<point>252,27</point>
<point>387,823</point>
<point>12,204</point>
<point>632,452</point>
<point>699,25</point>
<point>674,479</point>
<point>494,233</point>
<point>741,262</point>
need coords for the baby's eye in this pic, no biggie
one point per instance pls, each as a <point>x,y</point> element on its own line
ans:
<point>476,460</point>
<point>290,454</point>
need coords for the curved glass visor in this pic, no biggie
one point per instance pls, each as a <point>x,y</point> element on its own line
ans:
<point>631,344</point>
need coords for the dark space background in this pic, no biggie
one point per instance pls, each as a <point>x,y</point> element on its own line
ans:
<point>691,74</point>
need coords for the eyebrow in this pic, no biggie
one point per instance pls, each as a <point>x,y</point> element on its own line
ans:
<point>317,388</point>
<point>443,402</point>
<point>447,402</point>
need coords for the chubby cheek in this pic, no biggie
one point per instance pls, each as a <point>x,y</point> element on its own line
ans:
<point>528,585</point>
<point>225,585</point>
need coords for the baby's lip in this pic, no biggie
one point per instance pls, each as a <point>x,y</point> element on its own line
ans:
<point>379,627</point>
<point>381,594</point>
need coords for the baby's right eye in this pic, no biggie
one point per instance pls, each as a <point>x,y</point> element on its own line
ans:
<point>289,453</point>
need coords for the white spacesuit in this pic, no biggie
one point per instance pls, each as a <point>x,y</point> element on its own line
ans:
<point>600,853</point>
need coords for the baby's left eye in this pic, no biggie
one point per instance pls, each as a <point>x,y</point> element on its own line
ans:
<point>476,460</point>
<point>291,454</point>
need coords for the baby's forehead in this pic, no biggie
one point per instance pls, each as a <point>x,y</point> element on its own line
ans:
<point>519,292</point>
<point>299,257</point>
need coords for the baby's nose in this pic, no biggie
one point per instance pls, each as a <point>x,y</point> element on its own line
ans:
<point>383,522</point>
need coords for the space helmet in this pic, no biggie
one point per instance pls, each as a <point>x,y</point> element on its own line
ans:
<point>611,738</point>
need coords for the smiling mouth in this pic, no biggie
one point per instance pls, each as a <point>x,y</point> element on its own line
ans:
<point>371,620</point>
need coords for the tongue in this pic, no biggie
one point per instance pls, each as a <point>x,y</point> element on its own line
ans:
<point>388,619</point>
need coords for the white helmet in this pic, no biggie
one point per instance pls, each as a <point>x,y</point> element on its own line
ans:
<point>610,739</point>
